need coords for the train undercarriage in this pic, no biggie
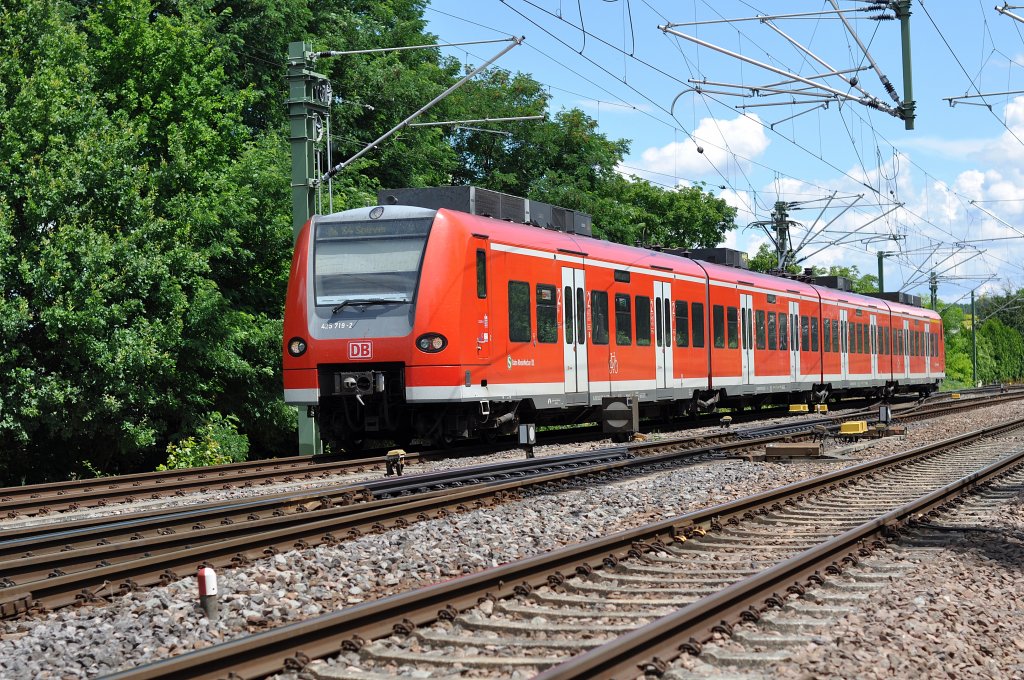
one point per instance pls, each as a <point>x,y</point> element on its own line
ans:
<point>359,405</point>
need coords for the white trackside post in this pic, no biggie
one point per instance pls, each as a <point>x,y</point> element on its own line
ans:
<point>208,593</point>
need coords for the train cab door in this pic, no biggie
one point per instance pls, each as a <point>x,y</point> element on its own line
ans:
<point>663,333</point>
<point>794,344</point>
<point>483,321</point>
<point>747,337</point>
<point>906,348</point>
<point>574,342</point>
<point>874,346</point>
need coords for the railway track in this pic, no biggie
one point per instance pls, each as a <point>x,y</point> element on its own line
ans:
<point>811,618</point>
<point>62,497</point>
<point>54,569</point>
<point>41,566</point>
<point>640,595</point>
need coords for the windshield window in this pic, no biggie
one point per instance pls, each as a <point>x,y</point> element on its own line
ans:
<point>378,259</point>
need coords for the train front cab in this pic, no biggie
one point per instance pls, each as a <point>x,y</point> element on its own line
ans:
<point>351,310</point>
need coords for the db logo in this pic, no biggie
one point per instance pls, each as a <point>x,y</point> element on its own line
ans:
<point>362,349</point>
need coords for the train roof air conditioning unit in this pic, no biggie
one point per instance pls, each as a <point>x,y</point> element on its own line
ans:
<point>900,297</point>
<point>727,256</point>
<point>477,201</point>
<point>837,282</point>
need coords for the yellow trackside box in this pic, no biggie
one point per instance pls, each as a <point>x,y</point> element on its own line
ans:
<point>821,408</point>
<point>853,427</point>
<point>798,408</point>
<point>955,395</point>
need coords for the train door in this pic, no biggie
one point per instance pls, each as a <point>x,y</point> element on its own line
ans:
<point>574,321</point>
<point>483,337</point>
<point>844,344</point>
<point>906,348</point>
<point>874,346</point>
<point>927,350</point>
<point>663,333</point>
<point>794,344</point>
<point>747,337</point>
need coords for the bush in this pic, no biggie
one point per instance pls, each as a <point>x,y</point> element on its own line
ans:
<point>217,442</point>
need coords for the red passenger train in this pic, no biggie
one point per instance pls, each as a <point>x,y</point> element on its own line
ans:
<point>408,322</point>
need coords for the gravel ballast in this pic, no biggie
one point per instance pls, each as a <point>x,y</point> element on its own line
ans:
<point>158,622</point>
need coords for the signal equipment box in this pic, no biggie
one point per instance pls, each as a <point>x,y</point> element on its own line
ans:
<point>620,415</point>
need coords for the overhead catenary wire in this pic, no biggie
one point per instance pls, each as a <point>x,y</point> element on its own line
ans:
<point>916,222</point>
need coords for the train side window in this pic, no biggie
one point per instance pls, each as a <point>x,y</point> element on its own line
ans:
<point>826,335</point>
<point>623,320</point>
<point>794,332</point>
<point>718,325</point>
<point>860,338</point>
<point>659,335</point>
<point>814,334</point>
<point>519,311</point>
<point>581,320</point>
<point>481,274</point>
<point>744,332</point>
<point>783,332</point>
<point>805,334</point>
<point>569,317</point>
<point>599,312</point>
<point>771,330</point>
<point>760,328</point>
<point>682,324</point>
<point>643,320</point>
<point>697,315</point>
<point>732,322</point>
<point>668,322</point>
<point>547,313</point>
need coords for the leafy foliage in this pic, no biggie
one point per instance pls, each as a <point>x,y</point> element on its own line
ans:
<point>145,227</point>
<point>219,442</point>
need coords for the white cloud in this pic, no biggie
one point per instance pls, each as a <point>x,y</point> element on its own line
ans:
<point>713,144</point>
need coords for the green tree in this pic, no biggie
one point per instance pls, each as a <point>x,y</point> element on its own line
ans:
<point>145,229</point>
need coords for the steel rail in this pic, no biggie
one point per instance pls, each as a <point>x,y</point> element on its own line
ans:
<point>295,644</point>
<point>227,544</point>
<point>194,532</point>
<point>649,649</point>
<point>75,494</point>
<point>233,544</point>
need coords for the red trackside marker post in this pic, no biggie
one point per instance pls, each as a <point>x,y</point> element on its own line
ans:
<point>208,593</point>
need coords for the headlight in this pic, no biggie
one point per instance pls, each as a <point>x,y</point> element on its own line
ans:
<point>431,342</point>
<point>296,347</point>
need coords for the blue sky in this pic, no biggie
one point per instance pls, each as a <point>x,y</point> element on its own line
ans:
<point>931,196</point>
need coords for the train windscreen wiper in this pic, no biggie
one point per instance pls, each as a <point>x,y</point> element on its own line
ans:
<point>367,302</point>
